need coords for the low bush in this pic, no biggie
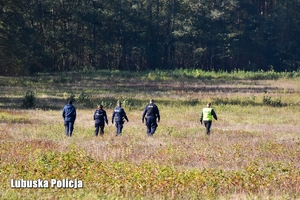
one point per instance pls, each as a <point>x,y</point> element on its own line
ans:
<point>29,100</point>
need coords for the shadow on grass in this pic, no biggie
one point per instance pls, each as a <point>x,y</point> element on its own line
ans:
<point>58,104</point>
<point>133,87</point>
<point>186,87</point>
<point>41,103</point>
<point>127,103</point>
<point>52,90</point>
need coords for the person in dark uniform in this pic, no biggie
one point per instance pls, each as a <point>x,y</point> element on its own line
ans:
<point>207,115</point>
<point>151,113</point>
<point>100,118</point>
<point>118,116</point>
<point>69,115</point>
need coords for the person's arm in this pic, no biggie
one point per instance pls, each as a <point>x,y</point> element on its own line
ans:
<point>144,114</point>
<point>74,114</point>
<point>64,113</point>
<point>105,118</point>
<point>214,114</point>
<point>157,114</point>
<point>113,117</point>
<point>125,116</point>
<point>201,117</point>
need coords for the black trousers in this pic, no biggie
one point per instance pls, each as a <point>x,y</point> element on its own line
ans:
<point>69,126</point>
<point>207,125</point>
<point>151,125</point>
<point>101,127</point>
<point>119,126</point>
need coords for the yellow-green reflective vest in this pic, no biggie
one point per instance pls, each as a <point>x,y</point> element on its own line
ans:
<point>207,116</point>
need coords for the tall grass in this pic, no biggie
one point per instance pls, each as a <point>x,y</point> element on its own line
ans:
<point>236,74</point>
<point>252,152</point>
<point>160,75</point>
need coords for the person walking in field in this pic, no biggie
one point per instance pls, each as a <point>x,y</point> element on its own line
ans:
<point>118,116</point>
<point>100,119</point>
<point>151,113</point>
<point>207,115</point>
<point>69,115</point>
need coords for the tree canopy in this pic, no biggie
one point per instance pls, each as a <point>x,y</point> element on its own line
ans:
<point>59,35</point>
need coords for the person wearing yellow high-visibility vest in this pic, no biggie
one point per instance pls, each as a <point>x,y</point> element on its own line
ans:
<point>207,115</point>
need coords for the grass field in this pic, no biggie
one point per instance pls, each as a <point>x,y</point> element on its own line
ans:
<point>253,151</point>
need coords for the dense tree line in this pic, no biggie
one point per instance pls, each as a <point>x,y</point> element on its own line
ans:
<point>61,35</point>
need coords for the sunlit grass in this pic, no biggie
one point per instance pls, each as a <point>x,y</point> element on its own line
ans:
<point>12,117</point>
<point>252,152</point>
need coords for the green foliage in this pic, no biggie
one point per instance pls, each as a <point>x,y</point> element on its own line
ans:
<point>247,101</point>
<point>147,179</point>
<point>65,78</point>
<point>85,99</point>
<point>70,96</point>
<point>246,155</point>
<point>29,100</point>
<point>177,33</point>
<point>11,117</point>
<point>108,104</point>
<point>250,101</point>
<point>127,102</point>
<point>182,74</point>
<point>275,102</point>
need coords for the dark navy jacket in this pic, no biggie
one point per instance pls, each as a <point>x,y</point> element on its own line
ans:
<point>100,117</point>
<point>69,113</point>
<point>119,115</point>
<point>152,111</point>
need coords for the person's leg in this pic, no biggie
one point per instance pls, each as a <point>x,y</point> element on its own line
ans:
<point>120,128</point>
<point>148,124</point>
<point>71,128</point>
<point>207,125</point>
<point>101,130</point>
<point>148,130</point>
<point>153,129</point>
<point>117,128</point>
<point>153,125</point>
<point>97,129</point>
<point>66,128</point>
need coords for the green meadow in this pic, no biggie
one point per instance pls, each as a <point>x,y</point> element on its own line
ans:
<point>253,151</point>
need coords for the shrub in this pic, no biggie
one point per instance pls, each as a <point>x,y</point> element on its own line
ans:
<point>85,99</point>
<point>29,100</point>
<point>236,101</point>
<point>267,100</point>
<point>69,96</point>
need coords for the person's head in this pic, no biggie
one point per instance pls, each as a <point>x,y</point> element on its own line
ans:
<point>151,100</point>
<point>70,102</point>
<point>119,103</point>
<point>100,107</point>
<point>208,104</point>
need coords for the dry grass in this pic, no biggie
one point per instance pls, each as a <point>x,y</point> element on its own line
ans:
<point>243,136</point>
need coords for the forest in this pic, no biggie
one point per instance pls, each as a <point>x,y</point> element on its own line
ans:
<point>138,35</point>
